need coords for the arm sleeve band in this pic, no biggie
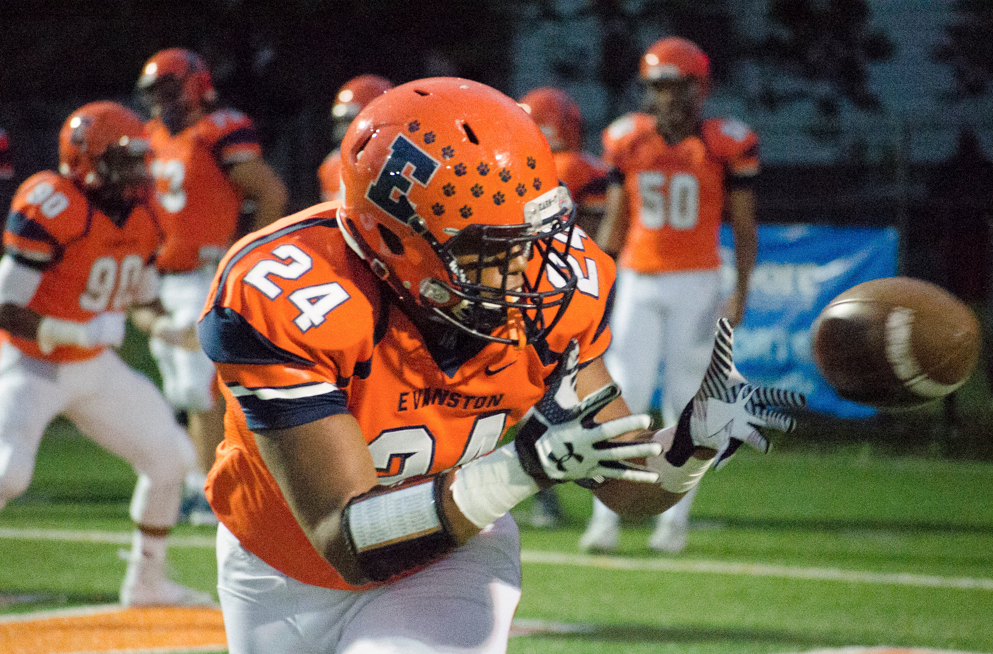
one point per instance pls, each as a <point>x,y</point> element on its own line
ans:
<point>675,479</point>
<point>486,488</point>
<point>398,528</point>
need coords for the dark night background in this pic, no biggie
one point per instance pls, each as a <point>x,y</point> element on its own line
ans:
<point>282,62</point>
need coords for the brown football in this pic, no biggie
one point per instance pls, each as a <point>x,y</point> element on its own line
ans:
<point>895,343</point>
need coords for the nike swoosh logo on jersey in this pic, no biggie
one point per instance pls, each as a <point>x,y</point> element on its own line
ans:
<point>493,372</point>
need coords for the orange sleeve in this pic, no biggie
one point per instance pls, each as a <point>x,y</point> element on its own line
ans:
<point>734,143</point>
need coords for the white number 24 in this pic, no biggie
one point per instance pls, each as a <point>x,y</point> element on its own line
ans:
<point>314,302</point>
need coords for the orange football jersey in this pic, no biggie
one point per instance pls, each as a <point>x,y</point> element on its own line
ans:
<point>197,205</point>
<point>586,178</point>
<point>301,329</point>
<point>89,265</point>
<point>676,193</point>
<point>329,176</point>
<point>584,175</point>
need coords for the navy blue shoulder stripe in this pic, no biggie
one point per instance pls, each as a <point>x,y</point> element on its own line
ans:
<point>383,319</point>
<point>226,337</point>
<point>18,223</point>
<point>269,238</point>
<point>234,137</point>
<point>608,308</point>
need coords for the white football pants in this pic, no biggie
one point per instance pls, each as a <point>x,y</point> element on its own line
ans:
<point>114,405</point>
<point>189,378</point>
<point>663,321</point>
<point>462,603</point>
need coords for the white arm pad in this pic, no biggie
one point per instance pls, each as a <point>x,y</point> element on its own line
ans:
<point>105,329</point>
<point>53,332</point>
<point>486,488</point>
<point>671,478</point>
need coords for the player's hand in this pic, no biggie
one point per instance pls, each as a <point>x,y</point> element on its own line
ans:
<point>727,411</point>
<point>558,439</point>
<point>165,329</point>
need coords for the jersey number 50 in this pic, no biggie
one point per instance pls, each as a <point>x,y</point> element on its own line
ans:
<point>676,204</point>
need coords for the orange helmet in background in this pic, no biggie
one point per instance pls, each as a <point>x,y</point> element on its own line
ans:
<point>184,66</point>
<point>356,93</point>
<point>675,58</point>
<point>437,170</point>
<point>102,146</point>
<point>173,83</point>
<point>557,115</point>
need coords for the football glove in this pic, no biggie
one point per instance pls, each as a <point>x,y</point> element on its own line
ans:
<point>727,411</point>
<point>559,440</point>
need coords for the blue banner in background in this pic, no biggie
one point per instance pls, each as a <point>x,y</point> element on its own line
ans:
<point>800,268</point>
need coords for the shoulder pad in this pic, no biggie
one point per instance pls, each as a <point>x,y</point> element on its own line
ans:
<point>730,140</point>
<point>628,124</point>
<point>47,210</point>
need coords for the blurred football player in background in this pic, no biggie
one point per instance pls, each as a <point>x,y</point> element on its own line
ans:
<point>374,353</point>
<point>674,176</point>
<point>6,163</point>
<point>207,165</point>
<point>80,254</point>
<point>560,120</point>
<point>355,94</point>
<point>6,173</point>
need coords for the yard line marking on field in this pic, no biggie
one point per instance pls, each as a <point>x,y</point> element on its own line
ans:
<point>589,561</point>
<point>754,570</point>
<point>100,537</point>
<point>74,612</point>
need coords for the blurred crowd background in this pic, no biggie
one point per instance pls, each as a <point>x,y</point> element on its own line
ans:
<point>871,112</point>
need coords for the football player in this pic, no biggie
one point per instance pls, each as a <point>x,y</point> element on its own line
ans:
<point>6,172</point>
<point>6,165</point>
<point>584,174</point>
<point>373,355</point>
<point>674,176</point>
<point>560,120</point>
<point>207,165</point>
<point>351,98</point>
<point>80,254</point>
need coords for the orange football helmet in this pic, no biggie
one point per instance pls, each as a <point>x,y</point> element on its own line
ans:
<point>674,58</point>
<point>445,169</point>
<point>557,115</point>
<point>173,82</point>
<point>356,93</point>
<point>102,148</point>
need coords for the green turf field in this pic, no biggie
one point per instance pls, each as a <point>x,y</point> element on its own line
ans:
<point>868,534</point>
<point>793,551</point>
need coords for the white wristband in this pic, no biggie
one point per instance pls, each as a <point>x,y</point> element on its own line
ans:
<point>671,478</point>
<point>53,332</point>
<point>486,488</point>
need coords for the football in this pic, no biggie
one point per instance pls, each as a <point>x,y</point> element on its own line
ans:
<point>895,343</point>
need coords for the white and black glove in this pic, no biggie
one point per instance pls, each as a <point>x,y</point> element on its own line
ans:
<point>104,329</point>
<point>727,411</point>
<point>559,440</point>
